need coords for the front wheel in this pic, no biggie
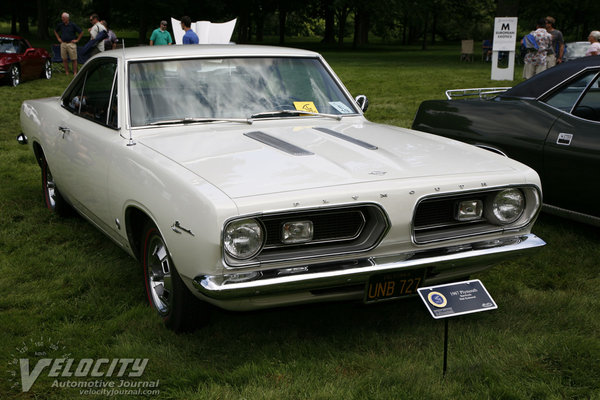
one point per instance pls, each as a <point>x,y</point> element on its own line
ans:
<point>14,74</point>
<point>180,310</point>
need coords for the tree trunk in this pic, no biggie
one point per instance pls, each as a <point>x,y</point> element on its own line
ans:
<point>282,17</point>
<point>342,18</point>
<point>507,8</point>
<point>329,36</point>
<point>424,41</point>
<point>42,17</point>
<point>361,27</point>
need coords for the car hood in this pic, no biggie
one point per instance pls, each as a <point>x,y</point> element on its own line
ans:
<point>271,157</point>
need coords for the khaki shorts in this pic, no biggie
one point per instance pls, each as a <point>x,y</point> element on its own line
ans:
<point>550,60</point>
<point>70,50</point>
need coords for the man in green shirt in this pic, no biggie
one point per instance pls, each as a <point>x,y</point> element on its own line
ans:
<point>161,36</point>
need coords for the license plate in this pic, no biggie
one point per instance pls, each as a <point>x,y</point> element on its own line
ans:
<point>393,285</point>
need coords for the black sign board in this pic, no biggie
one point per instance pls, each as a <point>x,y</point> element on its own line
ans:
<point>452,299</point>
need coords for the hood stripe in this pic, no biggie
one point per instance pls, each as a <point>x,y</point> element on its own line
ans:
<point>346,138</point>
<point>278,143</point>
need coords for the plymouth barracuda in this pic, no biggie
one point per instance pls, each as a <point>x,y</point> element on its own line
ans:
<point>248,177</point>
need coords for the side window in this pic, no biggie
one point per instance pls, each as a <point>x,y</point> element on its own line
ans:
<point>589,106</point>
<point>93,97</point>
<point>566,97</point>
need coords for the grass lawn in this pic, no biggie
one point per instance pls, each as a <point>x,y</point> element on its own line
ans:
<point>69,292</point>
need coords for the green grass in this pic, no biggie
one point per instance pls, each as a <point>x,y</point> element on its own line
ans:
<point>69,291</point>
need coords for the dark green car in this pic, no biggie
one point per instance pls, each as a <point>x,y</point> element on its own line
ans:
<point>550,122</point>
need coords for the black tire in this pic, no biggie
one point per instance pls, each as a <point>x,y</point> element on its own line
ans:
<point>47,70</point>
<point>14,75</point>
<point>180,310</point>
<point>52,197</point>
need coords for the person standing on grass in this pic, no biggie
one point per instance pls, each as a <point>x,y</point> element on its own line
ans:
<point>110,42</point>
<point>70,34</point>
<point>190,36</point>
<point>96,28</point>
<point>535,59</point>
<point>161,36</point>
<point>594,40</point>
<point>557,47</point>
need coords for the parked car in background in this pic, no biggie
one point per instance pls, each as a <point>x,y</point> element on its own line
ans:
<point>574,50</point>
<point>550,122</point>
<point>247,177</point>
<point>20,61</point>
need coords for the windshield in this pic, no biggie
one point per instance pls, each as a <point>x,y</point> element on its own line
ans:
<point>9,45</point>
<point>227,88</point>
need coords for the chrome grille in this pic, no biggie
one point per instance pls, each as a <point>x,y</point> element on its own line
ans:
<point>435,221</point>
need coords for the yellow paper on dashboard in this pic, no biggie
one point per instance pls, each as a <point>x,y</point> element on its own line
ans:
<point>308,106</point>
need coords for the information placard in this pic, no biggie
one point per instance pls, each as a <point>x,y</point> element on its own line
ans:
<point>505,34</point>
<point>453,299</point>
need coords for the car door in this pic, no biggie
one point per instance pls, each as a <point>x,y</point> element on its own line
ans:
<point>572,149</point>
<point>30,60</point>
<point>89,135</point>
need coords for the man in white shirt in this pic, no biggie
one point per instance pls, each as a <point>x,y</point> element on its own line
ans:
<point>96,28</point>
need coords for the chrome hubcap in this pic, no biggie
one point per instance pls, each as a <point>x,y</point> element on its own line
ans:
<point>48,70</point>
<point>50,189</point>
<point>159,274</point>
<point>14,75</point>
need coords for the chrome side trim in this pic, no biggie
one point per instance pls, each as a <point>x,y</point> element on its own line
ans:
<point>356,272</point>
<point>346,138</point>
<point>278,143</point>
<point>482,93</point>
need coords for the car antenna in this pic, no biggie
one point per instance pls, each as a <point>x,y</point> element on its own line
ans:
<point>131,142</point>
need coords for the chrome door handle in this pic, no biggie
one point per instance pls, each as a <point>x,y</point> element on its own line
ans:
<point>63,130</point>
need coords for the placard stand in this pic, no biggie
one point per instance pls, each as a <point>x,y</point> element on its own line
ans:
<point>503,74</point>
<point>453,299</point>
<point>505,38</point>
<point>445,347</point>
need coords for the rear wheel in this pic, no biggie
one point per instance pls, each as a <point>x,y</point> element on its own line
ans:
<point>180,310</point>
<point>52,197</point>
<point>47,71</point>
<point>14,74</point>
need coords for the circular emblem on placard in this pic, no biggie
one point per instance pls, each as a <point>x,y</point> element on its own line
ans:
<point>437,299</point>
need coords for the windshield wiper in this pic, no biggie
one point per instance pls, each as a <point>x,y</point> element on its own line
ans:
<point>190,120</point>
<point>279,113</point>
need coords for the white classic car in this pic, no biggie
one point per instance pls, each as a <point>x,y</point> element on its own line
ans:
<point>248,177</point>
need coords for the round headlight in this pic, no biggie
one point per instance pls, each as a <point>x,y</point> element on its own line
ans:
<point>243,239</point>
<point>506,206</point>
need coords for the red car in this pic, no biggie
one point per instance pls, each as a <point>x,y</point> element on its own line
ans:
<point>20,61</point>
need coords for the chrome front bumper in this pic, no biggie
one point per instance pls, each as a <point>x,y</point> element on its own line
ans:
<point>441,264</point>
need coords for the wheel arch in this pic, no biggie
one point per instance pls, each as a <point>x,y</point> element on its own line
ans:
<point>38,152</point>
<point>135,220</point>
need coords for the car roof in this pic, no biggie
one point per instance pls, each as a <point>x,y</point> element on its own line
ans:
<point>10,36</point>
<point>205,50</point>
<point>543,82</point>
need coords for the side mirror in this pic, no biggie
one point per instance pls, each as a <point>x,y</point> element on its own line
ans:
<point>362,102</point>
<point>22,139</point>
<point>29,51</point>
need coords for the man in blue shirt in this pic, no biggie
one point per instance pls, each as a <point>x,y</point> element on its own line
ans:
<point>190,36</point>
<point>68,41</point>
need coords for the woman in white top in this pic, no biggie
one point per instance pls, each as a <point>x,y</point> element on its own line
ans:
<point>594,48</point>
